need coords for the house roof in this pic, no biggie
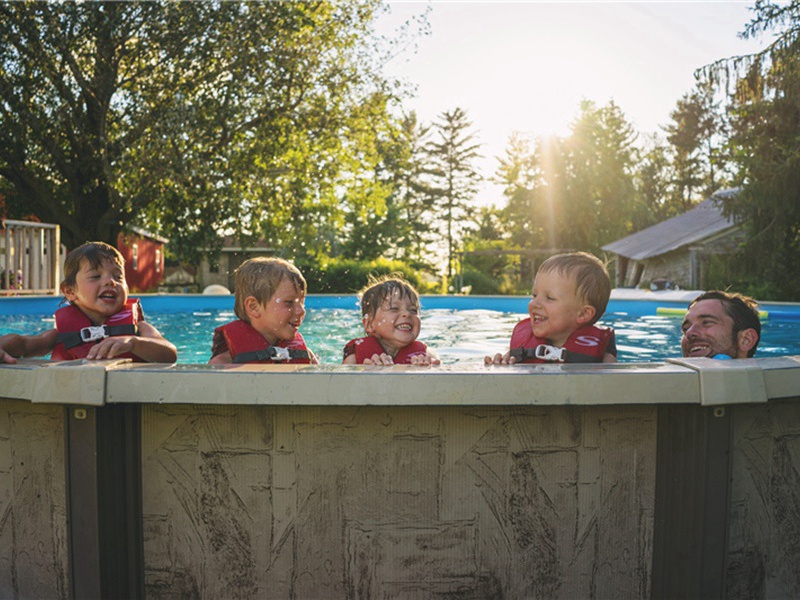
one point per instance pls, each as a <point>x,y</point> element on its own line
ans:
<point>146,234</point>
<point>703,221</point>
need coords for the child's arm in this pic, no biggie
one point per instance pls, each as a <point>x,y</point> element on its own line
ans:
<point>312,357</point>
<point>223,358</point>
<point>13,345</point>
<point>609,358</point>
<point>149,345</point>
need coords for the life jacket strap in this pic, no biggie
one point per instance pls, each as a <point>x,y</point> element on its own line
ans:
<point>94,333</point>
<point>271,353</point>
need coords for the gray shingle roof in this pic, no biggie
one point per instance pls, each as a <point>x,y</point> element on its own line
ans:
<point>701,222</point>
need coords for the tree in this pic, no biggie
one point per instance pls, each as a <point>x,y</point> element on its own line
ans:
<point>696,136</point>
<point>599,201</point>
<point>190,118</point>
<point>455,177</point>
<point>765,144</point>
<point>533,173</point>
<point>398,224</point>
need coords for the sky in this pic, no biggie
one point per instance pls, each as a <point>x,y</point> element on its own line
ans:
<point>526,66</point>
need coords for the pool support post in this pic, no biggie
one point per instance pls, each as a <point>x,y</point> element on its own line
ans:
<point>105,501</point>
<point>690,530</point>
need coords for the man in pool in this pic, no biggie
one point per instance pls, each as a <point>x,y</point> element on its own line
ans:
<point>721,325</point>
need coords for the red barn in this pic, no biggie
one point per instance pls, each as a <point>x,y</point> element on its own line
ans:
<point>144,258</point>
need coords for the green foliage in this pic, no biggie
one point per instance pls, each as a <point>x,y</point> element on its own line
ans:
<point>454,176</point>
<point>191,118</point>
<point>765,144</point>
<point>479,282</point>
<point>348,276</point>
<point>573,193</point>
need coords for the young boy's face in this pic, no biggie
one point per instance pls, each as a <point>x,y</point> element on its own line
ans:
<point>395,323</point>
<point>556,309</point>
<point>280,318</point>
<point>99,292</point>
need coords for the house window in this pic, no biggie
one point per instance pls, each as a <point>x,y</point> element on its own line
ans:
<point>159,258</point>
<point>135,261</point>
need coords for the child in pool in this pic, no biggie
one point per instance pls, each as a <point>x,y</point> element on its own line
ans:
<point>100,321</point>
<point>570,293</point>
<point>270,297</point>
<point>390,315</point>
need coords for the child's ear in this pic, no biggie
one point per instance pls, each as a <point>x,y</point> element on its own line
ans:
<point>68,292</point>
<point>366,321</point>
<point>586,314</point>
<point>252,307</point>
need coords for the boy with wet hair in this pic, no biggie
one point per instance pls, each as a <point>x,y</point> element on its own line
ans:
<point>100,320</point>
<point>390,315</point>
<point>270,306</point>
<point>570,293</point>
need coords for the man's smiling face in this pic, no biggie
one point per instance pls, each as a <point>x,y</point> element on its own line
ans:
<point>708,331</point>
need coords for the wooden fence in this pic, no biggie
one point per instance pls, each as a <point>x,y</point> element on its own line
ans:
<point>29,258</point>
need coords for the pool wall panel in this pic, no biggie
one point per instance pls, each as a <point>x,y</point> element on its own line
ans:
<point>309,482</point>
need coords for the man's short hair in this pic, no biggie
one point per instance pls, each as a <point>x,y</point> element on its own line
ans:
<point>261,277</point>
<point>591,277</point>
<point>742,309</point>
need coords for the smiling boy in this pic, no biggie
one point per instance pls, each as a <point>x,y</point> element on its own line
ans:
<point>570,293</point>
<point>100,321</point>
<point>270,306</point>
<point>390,316</point>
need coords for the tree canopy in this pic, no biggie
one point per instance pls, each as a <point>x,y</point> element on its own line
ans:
<point>765,146</point>
<point>190,118</point>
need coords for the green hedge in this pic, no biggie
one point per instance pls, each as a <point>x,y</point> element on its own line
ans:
<point>348,276</point>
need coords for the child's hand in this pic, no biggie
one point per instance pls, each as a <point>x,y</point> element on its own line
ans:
<point>383,360</point>
<point>111,347</point>
<point>500,359</point>
<point>426,360</point>
<point>5,357</point>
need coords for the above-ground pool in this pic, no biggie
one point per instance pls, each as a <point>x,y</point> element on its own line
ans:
<point>133,480</point>
<point>463,329</point>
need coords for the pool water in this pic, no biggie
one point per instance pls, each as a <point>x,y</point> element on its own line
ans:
<point>459,336</point>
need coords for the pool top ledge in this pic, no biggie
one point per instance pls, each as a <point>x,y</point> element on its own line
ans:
<point>677,381</point>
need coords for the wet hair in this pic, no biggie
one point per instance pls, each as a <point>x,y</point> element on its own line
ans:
<point>261,277</point>
<point>742,309</point>
<point>591,277</point>
<point>380,289</point>
<point>95,253</point>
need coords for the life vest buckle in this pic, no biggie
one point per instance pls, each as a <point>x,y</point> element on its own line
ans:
<point>280,353</point>
<point>93,333</point>
<point>551,353</point>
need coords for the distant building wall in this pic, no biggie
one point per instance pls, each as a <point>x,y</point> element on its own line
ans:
<point>144,261</point>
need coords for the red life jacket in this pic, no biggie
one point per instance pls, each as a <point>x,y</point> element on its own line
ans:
<point>246,345</point>
<point>77,334</point>
<point>586,344</point>
<point>367,346</point>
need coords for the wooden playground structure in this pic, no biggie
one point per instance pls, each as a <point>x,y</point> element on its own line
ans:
<point>30,258</point>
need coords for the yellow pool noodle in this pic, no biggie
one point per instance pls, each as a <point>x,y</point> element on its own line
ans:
<point>679,312</point>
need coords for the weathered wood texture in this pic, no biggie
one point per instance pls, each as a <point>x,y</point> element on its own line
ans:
<point>764,532</point>
<point>34,559</point>
<point>401,502</point>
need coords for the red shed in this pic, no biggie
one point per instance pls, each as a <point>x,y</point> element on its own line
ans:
<point>144,258</point>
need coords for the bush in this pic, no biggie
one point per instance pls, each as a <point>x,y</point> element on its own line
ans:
<point>348,276</point>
